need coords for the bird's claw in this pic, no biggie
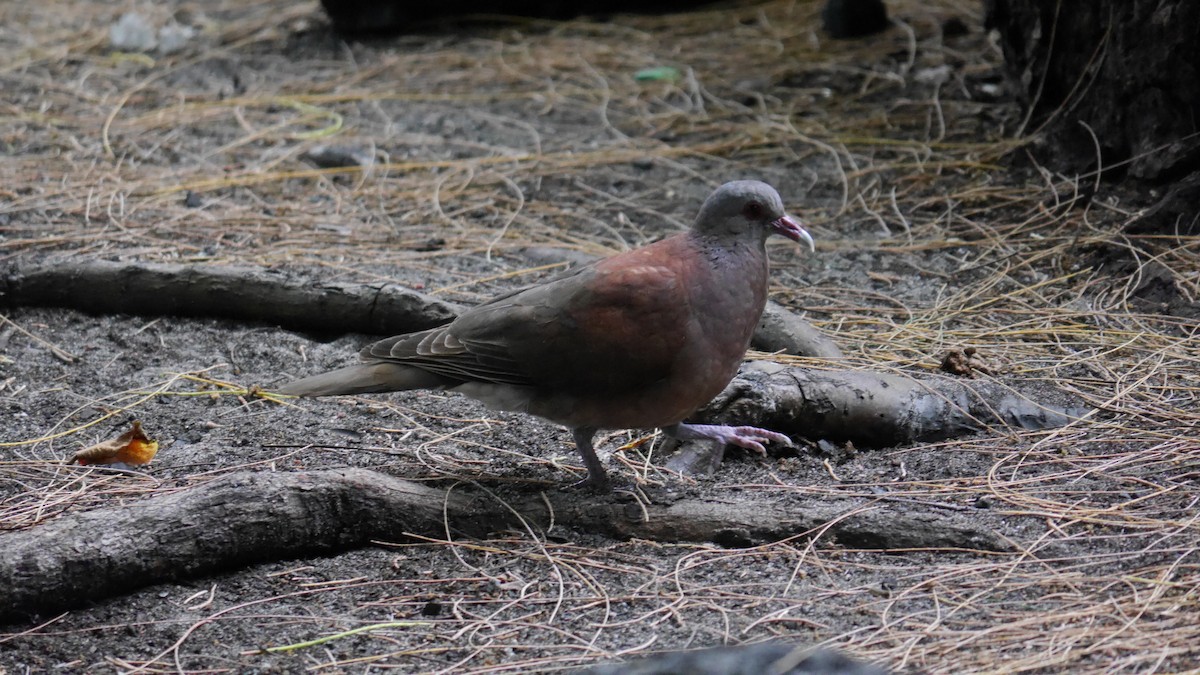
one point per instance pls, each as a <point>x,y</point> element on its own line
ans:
<point>750,438</point>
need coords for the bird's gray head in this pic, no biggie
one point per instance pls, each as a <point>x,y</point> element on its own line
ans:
<point>748,207</point>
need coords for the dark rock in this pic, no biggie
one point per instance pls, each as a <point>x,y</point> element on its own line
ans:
<point>339,156</point>
<point>854,18</point>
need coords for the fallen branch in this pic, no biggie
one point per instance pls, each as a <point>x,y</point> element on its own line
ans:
<point>243,293</point>
<point>867,409</point>
<point>873,409</point>
<point>782,332</point>
<point>253,517</point>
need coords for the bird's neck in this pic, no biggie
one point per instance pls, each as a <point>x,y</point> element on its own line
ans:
<point>738,269</point>
<point>732,253</point>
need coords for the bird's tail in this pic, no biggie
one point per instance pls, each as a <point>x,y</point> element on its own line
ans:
<point>365,378</point>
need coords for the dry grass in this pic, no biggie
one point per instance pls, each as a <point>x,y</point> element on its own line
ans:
<point>537,134</point>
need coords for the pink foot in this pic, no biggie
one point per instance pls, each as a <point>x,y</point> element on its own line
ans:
<point>751,438</point>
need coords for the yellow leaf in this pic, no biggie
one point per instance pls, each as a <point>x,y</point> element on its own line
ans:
<point>132,447</point>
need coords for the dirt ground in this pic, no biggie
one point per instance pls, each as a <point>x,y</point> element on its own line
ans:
<point>494,144</point>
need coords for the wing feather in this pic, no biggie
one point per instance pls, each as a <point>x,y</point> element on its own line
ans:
<point>607,327</point>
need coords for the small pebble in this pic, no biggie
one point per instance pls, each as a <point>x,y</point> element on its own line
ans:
<point>337,156</point>
<point>132,33</point>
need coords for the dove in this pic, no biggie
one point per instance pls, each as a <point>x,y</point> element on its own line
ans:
<point>638,340</point>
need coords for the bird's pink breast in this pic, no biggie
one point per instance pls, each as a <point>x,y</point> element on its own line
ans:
<point>690,337</point>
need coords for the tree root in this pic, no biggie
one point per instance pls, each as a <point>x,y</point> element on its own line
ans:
<point>243,293</point>
<point>873,409</point>
<point>253,517</point>
<point>866,409</point>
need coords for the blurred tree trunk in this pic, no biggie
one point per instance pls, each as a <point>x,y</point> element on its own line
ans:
<point>1114,86</point>
<point>1121,74</point>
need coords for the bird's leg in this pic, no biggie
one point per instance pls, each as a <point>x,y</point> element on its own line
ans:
<point>597,477</point>
<point>751,438</point>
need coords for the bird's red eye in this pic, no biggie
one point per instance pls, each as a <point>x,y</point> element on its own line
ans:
<point>754,211</point>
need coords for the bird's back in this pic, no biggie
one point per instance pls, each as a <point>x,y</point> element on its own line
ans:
<point>644,338</point>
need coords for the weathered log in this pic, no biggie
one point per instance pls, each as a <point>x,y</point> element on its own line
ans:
<point>243,293</point>
<point>781,331</point>
<point>865,408</point>
<point>253,517</point>
<point>873,409</point>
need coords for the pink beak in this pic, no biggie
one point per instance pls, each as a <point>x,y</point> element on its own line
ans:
<point>792,230</point>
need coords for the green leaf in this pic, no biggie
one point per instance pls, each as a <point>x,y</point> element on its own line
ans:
<point>657,74</point>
